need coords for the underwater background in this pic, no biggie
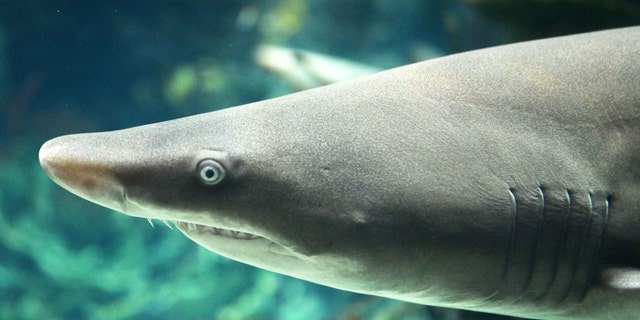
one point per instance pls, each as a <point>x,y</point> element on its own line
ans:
<point>79,66</point>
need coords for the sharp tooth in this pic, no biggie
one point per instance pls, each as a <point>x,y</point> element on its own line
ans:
<point>166,223</point>
<point>150,222</point>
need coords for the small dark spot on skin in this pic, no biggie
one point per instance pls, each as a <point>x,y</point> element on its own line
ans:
<point>236,164</point>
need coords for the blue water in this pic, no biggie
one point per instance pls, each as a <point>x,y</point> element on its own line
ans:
<point>77,66</point>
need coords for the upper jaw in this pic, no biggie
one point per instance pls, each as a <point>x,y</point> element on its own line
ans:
<point>194,228</point>
<point>191,224</point>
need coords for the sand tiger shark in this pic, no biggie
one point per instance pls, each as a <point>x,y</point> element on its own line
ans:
<point>503,180</point>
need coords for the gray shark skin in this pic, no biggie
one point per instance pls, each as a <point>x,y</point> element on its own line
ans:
<point>503,180</point>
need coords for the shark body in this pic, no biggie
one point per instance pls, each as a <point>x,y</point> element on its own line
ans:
<point>502,180</point>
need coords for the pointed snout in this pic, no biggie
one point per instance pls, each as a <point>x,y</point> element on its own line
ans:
<point>66,161</point>
<point>52,158</point>
<point>76,165</point>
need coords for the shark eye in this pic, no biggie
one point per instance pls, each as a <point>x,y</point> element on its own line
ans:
<point>210,172</point>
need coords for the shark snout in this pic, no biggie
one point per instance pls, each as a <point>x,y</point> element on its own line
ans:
<point>73,165</point>
<point>50,158</point>
<point>64,162</point>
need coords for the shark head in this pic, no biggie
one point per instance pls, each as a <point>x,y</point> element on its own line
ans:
<point>252,184</point>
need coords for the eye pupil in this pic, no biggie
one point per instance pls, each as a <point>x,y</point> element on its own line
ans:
<point>210,172</point>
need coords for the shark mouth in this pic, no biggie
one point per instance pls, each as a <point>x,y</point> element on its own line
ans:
<point>205,235</point>
<point>189,228</point>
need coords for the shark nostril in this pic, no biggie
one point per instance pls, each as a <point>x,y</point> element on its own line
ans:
<point>125,202</point>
